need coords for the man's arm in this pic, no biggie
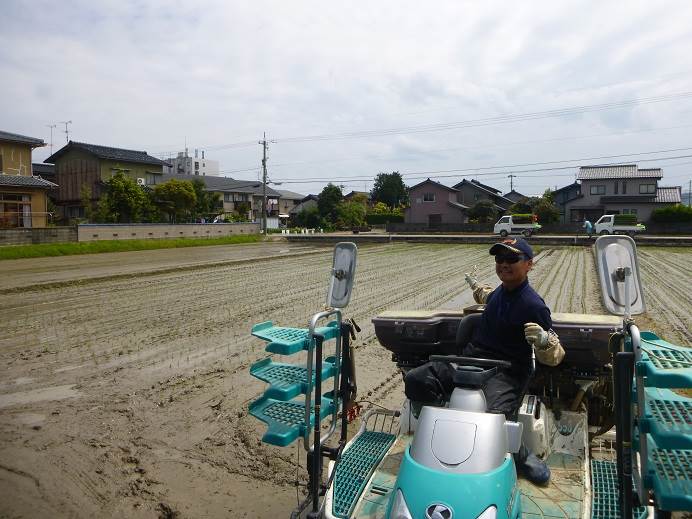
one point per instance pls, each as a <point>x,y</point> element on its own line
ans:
<point>546,342</point>
<point>480,292</point>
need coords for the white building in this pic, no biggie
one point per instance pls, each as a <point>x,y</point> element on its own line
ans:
<point>198,165</point>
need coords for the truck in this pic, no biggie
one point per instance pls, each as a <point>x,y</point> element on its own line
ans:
<point>618,224</point>
<point>516,224</point>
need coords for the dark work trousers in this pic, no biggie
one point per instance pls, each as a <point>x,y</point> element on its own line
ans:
<point>433,383</point>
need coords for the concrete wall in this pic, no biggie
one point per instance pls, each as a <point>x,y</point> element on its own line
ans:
<point>33,236</point>
<point>144,231</point>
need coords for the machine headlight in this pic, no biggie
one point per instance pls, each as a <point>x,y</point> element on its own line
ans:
<point>399,507</point>
<point>488,513</point>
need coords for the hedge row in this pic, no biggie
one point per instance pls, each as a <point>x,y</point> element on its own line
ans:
<point>378,219</point>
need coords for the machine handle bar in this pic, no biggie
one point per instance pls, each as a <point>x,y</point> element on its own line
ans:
<point>471,361</point>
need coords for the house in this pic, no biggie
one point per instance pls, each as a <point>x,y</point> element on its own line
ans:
<point>434,204</point>
<point>287,201</point>
<point>515,196</point>
<point>198,165</point>
<point>472,191</point>
<point>45,171</point>
<point>620,189</point>
<point>23,196</point>
<point>349,197</point>
<point>81,169</point>
<point>305,204</point>
<point>564,195</point>
<point>237,196</point>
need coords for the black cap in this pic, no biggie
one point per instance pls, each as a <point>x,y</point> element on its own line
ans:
<point>514,246</point>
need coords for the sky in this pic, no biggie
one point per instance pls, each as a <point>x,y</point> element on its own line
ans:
<point>346,90</point>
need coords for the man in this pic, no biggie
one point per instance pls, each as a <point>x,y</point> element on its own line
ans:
<point>589,228</point>
<point>515,319</point>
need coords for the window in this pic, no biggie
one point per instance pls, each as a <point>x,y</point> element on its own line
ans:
<point>150,179</point>
<point>616,187</point>
<point>476,196</point>
<point>598,190</point>
<point>647,189</point>
<point>624,187</point>
<point>227,197</point>
<point>428,197</point>
<point>15,210</point>
<point>629,211</point>
<point>196,165</point>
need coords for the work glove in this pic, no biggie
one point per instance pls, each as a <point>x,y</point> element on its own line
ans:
<point>471,280</point>
<point>536,336</point>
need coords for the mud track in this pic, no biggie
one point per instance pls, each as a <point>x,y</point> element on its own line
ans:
<point>127,396</point>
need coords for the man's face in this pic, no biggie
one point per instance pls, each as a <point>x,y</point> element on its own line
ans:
<point>510,271</point>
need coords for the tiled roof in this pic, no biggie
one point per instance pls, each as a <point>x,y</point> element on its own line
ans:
<point>573,185</point>
<point>289,195</point>
<point>15,137</point>
<point>490,190</point>
<point>670,195</point>
<point>24,181</point>
<point>43,169</point>
<point>428,181</point>
<point>225,184</point>
<point>486,186</point>
<point>457,205</point>
<point>619,171</point>
<point>108,153</point>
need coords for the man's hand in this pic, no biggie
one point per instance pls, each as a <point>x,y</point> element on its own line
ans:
<point>536,336</point>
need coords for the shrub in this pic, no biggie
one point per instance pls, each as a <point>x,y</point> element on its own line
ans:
<point>673,213</point>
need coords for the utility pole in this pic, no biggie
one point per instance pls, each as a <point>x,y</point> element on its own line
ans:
<point>67,132</point>
<point>263,142</point>
<point>511,182</point>
<point>51,126</point>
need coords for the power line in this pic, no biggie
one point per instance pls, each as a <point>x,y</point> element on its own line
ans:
<point>426,174</point>
<point>509,166</point>
<point>503,119</point>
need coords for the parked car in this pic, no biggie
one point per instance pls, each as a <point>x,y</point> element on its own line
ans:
<point>511,224</point>
<point>618,224</point>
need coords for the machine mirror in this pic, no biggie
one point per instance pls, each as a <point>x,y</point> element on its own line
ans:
<point>618,272</point>
<point>343,275</point>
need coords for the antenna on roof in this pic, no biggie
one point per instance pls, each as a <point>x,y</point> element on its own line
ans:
<point>51,126</point>
<point>67,132</point>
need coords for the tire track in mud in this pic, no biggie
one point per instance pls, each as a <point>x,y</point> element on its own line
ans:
<point>174,349</point>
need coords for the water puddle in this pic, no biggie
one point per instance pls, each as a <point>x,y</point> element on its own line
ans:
<point>38,395</point>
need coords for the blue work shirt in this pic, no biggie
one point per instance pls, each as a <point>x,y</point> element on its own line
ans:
<point>501,330</point>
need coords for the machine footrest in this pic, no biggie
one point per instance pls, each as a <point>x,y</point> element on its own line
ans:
<point>287,381</point>
<point>670,477</point>
<point>664,364</point>
<point>287,341</point>
<point>355,467</point>
<point>286,420</point>
<point>668,419</point>
<point>604,484</point>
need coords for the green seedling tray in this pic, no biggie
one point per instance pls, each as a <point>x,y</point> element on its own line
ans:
<point>664,364</point>
<point>286,420</point>
<point>287,341</point>
<point>670,477</point>
<point>668,418</point>
<point>287,381</point>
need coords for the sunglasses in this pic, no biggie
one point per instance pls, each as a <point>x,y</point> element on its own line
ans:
<point>511,259</point>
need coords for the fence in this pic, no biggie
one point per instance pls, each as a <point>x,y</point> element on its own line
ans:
<point>573,229</point>
<point>148,231</point>
<point>23,236</point>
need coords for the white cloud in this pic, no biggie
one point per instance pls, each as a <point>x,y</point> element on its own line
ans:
<point>151,75</point>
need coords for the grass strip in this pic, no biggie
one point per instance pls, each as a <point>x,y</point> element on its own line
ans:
<point>97,247</point>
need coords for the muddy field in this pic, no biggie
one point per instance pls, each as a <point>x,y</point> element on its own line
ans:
<point>128,396</point>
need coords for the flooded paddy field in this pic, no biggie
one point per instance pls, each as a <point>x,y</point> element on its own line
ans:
<point>127,395</point>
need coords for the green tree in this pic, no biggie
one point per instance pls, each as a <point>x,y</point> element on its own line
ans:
<point>176,198</point>
<point>208,203</point>
<point>309,218</point>
<point>351,214</point>
<point>389,188</point>
<point>123,202</point>
<point>483,211</point>
<point>328,203</point>
<point>85,197</point>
